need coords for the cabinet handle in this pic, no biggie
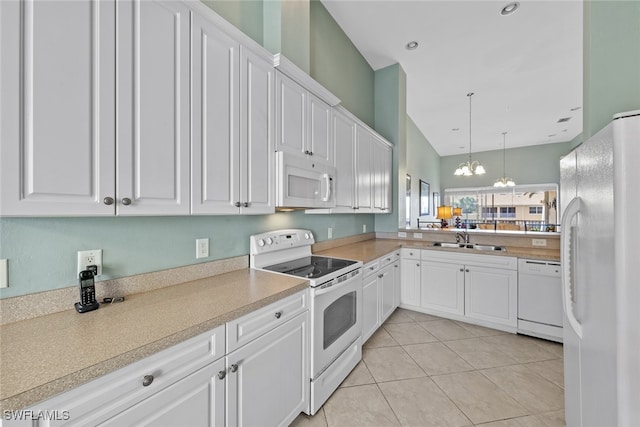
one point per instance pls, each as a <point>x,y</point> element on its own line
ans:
<point>245,204</point>
<point>222,374</point>
<point>417,265</point>
<point>380,276</point>
<point>388,259</point>
<point>234,367</point>
<point>126,201</point>
<point>462,269</point>
<point>278,314</point>
<point>237,204</point>
<point>147,380</point>
<point>396,266</point>
<point>467,270</point>
<point>108,201</point>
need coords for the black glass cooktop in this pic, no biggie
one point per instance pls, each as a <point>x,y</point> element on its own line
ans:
<point>310,267</point>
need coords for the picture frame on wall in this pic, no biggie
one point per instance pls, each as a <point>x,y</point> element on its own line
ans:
<point>436,201</point>
<point>424,198</point>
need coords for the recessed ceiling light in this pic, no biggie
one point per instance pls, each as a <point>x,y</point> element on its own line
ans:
<point>412,45</point>
<point>455,129</point>
<point>564,119</point>
<point>575,108</point>
<point>510,8</point>
<point>552,135</point>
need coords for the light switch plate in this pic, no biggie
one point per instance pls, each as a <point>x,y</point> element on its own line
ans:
<point>330,233</point>
<point>202,248</point>
<point>539,242</point>
<point>417,235</point>
<point>4,273</point>
<point>402,234</point>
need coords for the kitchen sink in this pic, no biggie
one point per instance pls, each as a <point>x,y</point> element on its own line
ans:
<point>470,246</point>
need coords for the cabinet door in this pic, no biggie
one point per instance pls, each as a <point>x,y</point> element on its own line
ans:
<point>397,277</point>
<point>364,159</point>
<point>256,134</point>
<point>386,285</point>
<point>410,282</point>
<point>291,104</point>
<point>344,161</point>
<point>215,150</point>
<point>197,400</point>
<point>320,143</point>
<point>370,308</point>
<point>381,176</point>
<point>443,287</point>
<point>153,111</point>
<point>57,107</point>
<point>491,295</point>
<point>268,380</point>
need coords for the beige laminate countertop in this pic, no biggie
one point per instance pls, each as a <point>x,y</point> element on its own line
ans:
<point>47,355</point>
<point>369,250</point>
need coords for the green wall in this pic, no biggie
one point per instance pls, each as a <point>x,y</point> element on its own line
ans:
<point>42,251</point>
<point>423,163</point>
<point>339,66</point>
<point>247,15</point>
<point>537,164</point>
<point>611,61</point>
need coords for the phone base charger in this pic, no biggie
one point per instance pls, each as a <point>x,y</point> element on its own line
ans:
<point>83,308</point>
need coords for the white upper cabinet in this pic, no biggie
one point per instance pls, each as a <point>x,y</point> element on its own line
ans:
<point>57,151</point>
<point>303,122</point>
<point>153,108</point>
<point>344,161</point>
<point>373,172</point>
<point>381,175</point>
<point>78,105</point>
<point>232,153</point>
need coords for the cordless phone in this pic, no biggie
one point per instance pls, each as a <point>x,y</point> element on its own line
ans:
<point>87,292</point>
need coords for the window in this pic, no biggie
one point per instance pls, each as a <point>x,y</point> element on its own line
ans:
<point>489,212</point>
<point>535,210</point>
<point>508,212</point>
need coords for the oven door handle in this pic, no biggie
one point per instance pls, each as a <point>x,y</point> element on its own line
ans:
<point>331,288</point>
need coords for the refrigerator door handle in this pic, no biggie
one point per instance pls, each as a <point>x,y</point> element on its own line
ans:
<point>566,237</point>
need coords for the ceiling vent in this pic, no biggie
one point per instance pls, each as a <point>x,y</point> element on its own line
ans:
<point>564,119</point>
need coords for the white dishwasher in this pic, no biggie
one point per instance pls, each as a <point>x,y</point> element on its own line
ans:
<point>540,299</point>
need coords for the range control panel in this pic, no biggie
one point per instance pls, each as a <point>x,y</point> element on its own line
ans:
<point>280,240</point>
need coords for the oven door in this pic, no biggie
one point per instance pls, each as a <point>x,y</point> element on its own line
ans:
<point>336,321</point>
<point>301,183</point>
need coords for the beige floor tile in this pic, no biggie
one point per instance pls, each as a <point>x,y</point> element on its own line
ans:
<point>436,358</point>
<point>391,363</point>
<point>528,421</point>
<point>446,330</point>
<point>422,317</point>
<point>479,331</point>
<point>553,370</point>
<point>522,349</point>
<point>479,353</point>
<point>359,376</point>
<point>380,338</point>
<point>303,420</point>
<point>409,333</point>
<point>478,398</point>
<point>400,316</point>
<point>528,388</point>
<point>419,402</point>
<point>552,419</point>
<point>552,347</point>
<point>359,406</point>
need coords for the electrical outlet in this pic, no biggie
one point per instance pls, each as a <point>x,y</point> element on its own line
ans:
<point>402,234</point>
<point>364,228</point>
<point>202,248</point>
<point>539,242</point>
<point>330,233</point>
<point>4,273</point>
<point>92,257</point>
<point>417,235</point>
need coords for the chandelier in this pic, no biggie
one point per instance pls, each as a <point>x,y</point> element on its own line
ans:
<point>470,167</point>
<point>505,181</point>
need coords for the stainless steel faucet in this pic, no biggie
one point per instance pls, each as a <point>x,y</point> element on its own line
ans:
<point>462,237</point>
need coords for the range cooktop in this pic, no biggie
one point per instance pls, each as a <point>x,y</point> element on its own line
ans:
<point>310,267</point>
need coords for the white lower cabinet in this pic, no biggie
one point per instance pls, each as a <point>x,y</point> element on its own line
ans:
<point>411,277</point>
<point>370,309</point>
<point>380,292</point>
<point>491,295</point>
<point>442,286</point>
<point>268,379</point>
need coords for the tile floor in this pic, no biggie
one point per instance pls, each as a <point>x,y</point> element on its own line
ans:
<point>422,370</point>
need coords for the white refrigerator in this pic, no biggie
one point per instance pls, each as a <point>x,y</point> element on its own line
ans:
<point>600,203</point>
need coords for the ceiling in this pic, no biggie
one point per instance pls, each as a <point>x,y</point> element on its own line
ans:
<point>525,69</point>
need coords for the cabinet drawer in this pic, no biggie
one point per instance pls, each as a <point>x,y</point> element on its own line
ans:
<point>371,268</point>
<point>255,324</point>
<point>387,259</point>
<point>408,253</point>
<point>99,400</point>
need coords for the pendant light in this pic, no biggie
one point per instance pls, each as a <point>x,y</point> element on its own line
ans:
<point>505,181</point>
<point>470,167</point>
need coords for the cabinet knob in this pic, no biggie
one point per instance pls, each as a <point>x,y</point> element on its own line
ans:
<point>234,367</point>
<point>126,201</point>
<point>237,204</point>
<point>380,276</point>
<point>278,314</point>
<point>467,270</point>
<point>245,204</point>
<point>222,374</point>
<point>147,380</point>
<point>108,201</point>
<point>462,269</point>
<point>417,265</point>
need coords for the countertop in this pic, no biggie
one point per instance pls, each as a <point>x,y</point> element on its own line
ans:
<point>47,355</point>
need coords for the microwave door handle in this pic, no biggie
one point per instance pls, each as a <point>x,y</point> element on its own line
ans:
<point>327,191</point>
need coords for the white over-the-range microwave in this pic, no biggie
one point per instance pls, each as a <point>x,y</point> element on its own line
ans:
<point>303,183</point>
